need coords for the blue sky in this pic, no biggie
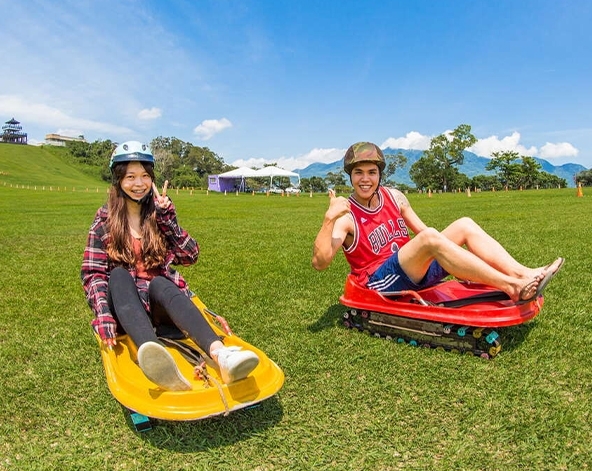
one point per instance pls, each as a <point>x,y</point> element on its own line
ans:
<point>296,82</point>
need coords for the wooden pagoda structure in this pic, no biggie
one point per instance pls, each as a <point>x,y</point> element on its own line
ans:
<point>12,133</point>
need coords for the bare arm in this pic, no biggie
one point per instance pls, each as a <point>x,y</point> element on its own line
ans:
<point>333,232</point>
<point>412,220</point>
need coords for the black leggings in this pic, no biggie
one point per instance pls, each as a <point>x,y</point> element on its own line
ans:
<point>168,304</point>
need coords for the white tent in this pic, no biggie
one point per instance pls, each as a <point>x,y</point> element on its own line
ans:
<point>242,173</point>
<point>271,171</point>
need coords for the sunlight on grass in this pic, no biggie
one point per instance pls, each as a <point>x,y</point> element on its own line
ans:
<point>350,401</point>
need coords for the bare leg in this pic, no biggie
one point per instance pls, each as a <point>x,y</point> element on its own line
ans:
<point>465,231</point>
<point>429,244</point>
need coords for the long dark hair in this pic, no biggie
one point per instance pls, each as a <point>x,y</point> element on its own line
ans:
<point>119,245</point>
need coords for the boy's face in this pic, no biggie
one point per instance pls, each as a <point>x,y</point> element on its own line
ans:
<point>365,178</point>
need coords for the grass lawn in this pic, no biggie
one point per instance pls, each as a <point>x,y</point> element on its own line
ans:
<point>350,401</point>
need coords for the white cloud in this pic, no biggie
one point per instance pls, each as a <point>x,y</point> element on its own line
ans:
<point>53,118</point>
<point>561,149</point>
<point>489,145</point>
<point>209,127</point>
<point>412,140</point>
<point>69,132</point>
<point>316,155</point>
<point>150,113</point>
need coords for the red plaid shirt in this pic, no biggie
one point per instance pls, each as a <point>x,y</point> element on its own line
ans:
<point>182,249</point>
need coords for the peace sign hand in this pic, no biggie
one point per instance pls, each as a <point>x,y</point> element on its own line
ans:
<point>161,200</point>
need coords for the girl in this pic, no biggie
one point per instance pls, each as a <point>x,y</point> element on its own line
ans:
<point>128,279</point>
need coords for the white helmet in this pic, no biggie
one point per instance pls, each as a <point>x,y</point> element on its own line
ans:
<point>131,151</point>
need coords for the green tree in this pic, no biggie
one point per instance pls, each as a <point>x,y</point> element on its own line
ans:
<point>584,177</point>
<point>314,184</point>
<point>425,173</point>
<point>95,156</point>
<point>460,181</point>
<point>446,153</point>
<point>334,179</point>
<point>394,162</point>
<point>504,163</point>
<point>548,180</point>
<point>204,161</point>
<point>486,182</point>
<point>530,170</point>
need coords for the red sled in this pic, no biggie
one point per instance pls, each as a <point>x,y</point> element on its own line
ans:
<point>454,315</point>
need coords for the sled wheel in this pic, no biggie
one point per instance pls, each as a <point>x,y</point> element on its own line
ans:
<point>447,329</point>
<point>376,334</point>
<point>492,338</point>
<point>365,314</point>
<point>141,422</point>
<point>493,351</point>
<point>413,342</point>
<point>440,349</point>
<point>347,324</point>
<point>454,350</point>
<point>400,340</point>
<point>477,333</point>
<point>484,355</point>
<point>388,337</point>
<point>426,345</point>
<point>461,332</point>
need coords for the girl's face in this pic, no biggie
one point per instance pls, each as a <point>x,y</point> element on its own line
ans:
<point>136,182</point>
<point>365,178</point>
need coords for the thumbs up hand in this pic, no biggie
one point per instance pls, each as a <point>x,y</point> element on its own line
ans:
<point>338,206</point>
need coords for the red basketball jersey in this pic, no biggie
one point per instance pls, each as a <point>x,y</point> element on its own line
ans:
<point>378,233</point>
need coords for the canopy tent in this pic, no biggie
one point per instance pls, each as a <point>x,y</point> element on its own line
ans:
<point>242,173</point>
<point>272,171</point>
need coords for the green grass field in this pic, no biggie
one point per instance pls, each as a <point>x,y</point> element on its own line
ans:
<point>350,401</point>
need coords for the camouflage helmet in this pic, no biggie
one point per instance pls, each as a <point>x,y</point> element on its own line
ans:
<point>363,152</point>
<point>131,151</point>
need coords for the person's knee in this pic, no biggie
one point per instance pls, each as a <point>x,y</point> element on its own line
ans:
<point>430,237</point>
<point>119,275</point>
<point>163,286</point>
<point>467,221</point>
<point>159,283</point>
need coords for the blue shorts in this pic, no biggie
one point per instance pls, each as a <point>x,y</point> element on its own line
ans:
<point>391,277</point>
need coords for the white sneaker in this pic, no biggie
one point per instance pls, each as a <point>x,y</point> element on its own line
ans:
<point>159,367</point>
<point>235,363</point>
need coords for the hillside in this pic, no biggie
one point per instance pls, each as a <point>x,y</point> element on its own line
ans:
<point>41,166</point>
<point>473,165</point>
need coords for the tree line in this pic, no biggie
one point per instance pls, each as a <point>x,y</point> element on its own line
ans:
<point>186,165</point>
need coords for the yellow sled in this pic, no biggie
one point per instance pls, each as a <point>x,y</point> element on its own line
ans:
<point>208,397</point>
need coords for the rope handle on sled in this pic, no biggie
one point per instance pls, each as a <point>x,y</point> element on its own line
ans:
<point>196,358</point>
<point>414,294</point>
<point>220,320</point>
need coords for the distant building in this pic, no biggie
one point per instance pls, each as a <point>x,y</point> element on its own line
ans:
<point>59,140</point>
<point>12,133</point>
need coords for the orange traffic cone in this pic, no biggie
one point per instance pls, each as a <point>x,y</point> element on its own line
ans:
<point>429,193</point>
<point>580,192</point>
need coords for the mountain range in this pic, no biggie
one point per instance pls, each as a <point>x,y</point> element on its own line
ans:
<point>472,166</point>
